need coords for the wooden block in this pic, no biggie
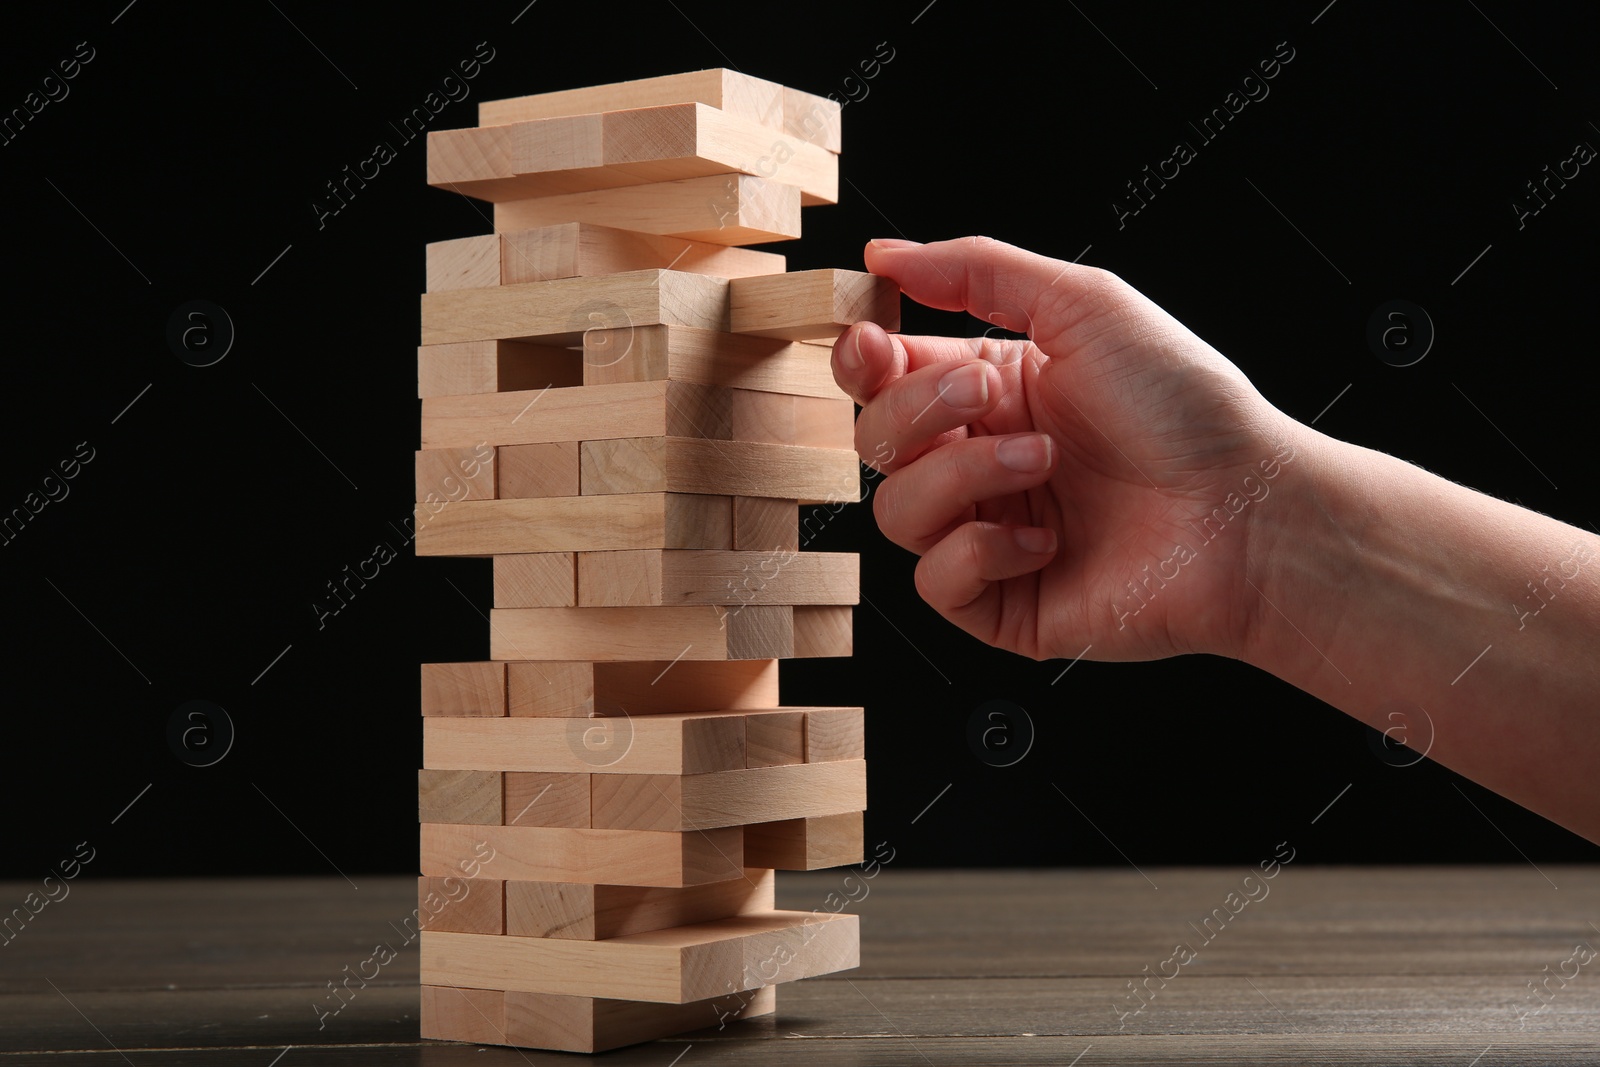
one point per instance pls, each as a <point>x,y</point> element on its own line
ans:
<point>537,798</point>
<point>765,524</point>
<point>558,312</point>
<point>536,580</point>
<point>823,630</point>
<point>566,523</point>
<point>635,409</point>
<point>583,249</point>
<point>705,357</point>
<point>464,263</point>
<point>806,844</point>
<point>463,689</point>
<point>636,146</point>
<point>727,798</point>
<point>724,209</point>
<point>459,473</point>
<point>735,468</point>
<point>574,854</point>
<point>450,1013</point>
<point>591,1024</point>
<point>596,912</point>
<point>812,304</point>
<point>675,966</point>
<point>775,738</point>
<point>464,905</point>
<point>752,99</point>
<point>812,118</point>
<point>835,734</point>
<point>550,689</point>
<point>546,469</point>
<point>467,367</point>
<point>783,419</point>
<point>672,743</point>
<point>659,633</point>
<point>655,576</point>
<point>470,796</point>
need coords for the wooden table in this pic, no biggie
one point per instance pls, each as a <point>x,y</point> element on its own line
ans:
<point>1423,965</point>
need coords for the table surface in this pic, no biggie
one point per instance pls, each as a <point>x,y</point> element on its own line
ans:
<point>1466,966</point>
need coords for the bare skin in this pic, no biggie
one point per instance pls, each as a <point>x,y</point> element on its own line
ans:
<point>1115,482</point>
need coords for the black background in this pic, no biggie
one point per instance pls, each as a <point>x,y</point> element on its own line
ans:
<point>184,165</point>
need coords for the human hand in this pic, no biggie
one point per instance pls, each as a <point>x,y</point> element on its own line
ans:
<point>1092,486</point>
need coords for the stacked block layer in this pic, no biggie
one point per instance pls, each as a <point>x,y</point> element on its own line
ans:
<point>624,409</point>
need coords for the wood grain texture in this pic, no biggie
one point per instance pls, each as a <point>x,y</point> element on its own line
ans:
<point>654,576</point>
<point>536,580</point>
<point>565,524</point>
<point>574,854</point>
<point>635,409</point>
<point>673,966</point>
<point>455,904</point>
<point>766,524</point>
<point>812,118</point>
<point>734,468</point>
<point>724,209</point>
<point>469,689</point>
<point>591,1024</point>
<point>546,469</point>
<point>596,912</point>
<point>463,263</point>
<point>783,419</point>
<point>558,312</point>
<point>654,633</point>
<point>463,796</point>
<point>537,798</point>
<point>728,798</point>
<point>448,474</point>
<point>667,743</point>
<point>806,844</point>
<point>450,1013</point>
<point>823,630</point>
<point>738,94</point>
<point>467,367</point>
<point>810,305</point>
<point>706,357</point>
<point>775,738</point>
<point>584,249</point>
<point>835,734</point>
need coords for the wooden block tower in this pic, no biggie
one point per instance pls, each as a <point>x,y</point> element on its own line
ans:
<point>626,410</point>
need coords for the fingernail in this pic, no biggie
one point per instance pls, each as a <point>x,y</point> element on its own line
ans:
<point>1035,539</point>
<point>893,242</point>
<point>1024,454</point>
<point>850,353</point>
<point>966,386</point>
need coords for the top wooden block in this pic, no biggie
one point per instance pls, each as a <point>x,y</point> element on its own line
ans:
<point>814,119</point>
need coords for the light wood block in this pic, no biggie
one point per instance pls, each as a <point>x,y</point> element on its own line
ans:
<point>736,468</point>
<point>462,905</point>
<point>654,576</point>
<point>591,1024</point>
<point>783,419</point>
<point>635,409</point>
<point>536,580</point>
<point>549,468</point>
<point>765,524</point>
<point>725,209</point>
<point>752,99</point>
<point>806,844</point>
<point>812,118</point>
<point>727,798</point>
<point>775,738</point>
<point>469,796</point>
<point>582,690</point>
<point>835,734</point>
<point>464,263</point>
<point>673,966</point>
<point>573,854</point>
<point>705,357</point>
<point>583,249</point>
<point>551,689</point>
<point>812,304</point>
<point>538,798</point>
<point>450,1013</point>
<point>450,474</point>
<point>659,633</point>
<point>596,912</point>
<point>467,367</point>
<point>823,630</point>
<point>463,689</point>
<point>671,743</point>
<point>636,146</point>
<point>564,524</point>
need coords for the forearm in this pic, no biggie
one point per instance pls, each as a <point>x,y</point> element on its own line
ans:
<point>1387,589</point>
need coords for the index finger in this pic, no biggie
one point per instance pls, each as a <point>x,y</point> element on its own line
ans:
<point>866,357</point>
